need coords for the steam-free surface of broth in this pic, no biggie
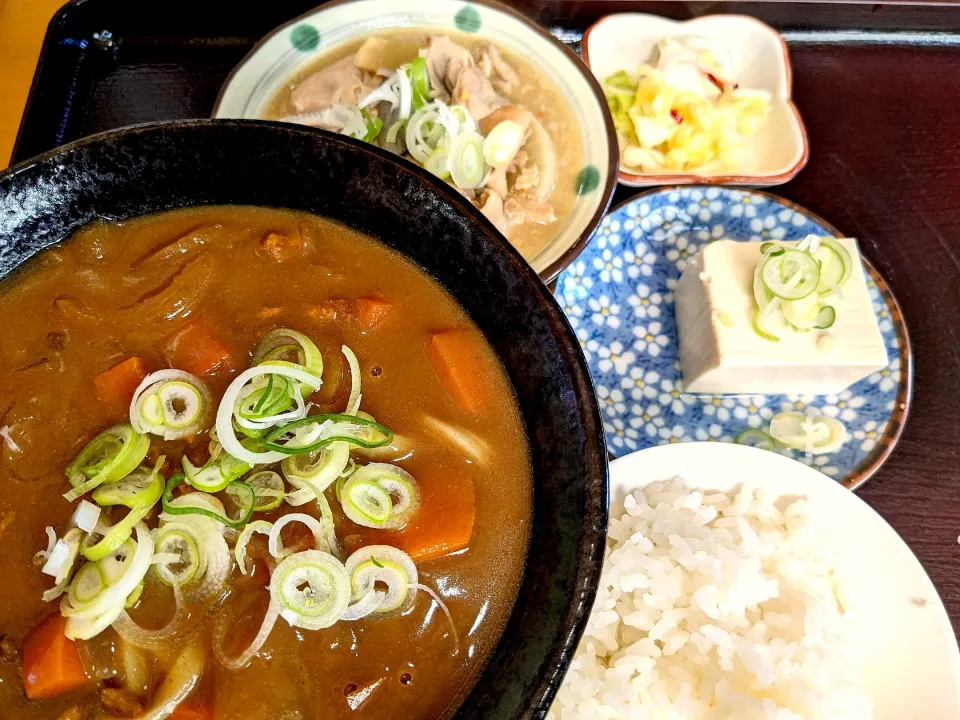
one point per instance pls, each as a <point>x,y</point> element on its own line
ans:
<point>121,289</point>
<point>535,92</point>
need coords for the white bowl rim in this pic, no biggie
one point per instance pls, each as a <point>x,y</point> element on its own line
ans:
<point>604,194</point>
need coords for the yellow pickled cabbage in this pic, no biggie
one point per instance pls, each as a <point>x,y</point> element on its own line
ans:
<point>663,127</point>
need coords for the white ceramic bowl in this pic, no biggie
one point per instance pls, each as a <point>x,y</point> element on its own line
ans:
<point>914,667</point>
<point>277,57</point>
<point>759,55</point>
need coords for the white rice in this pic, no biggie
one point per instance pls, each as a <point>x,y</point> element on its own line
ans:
<point>714,605</point>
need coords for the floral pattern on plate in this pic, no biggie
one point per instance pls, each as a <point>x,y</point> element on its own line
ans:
<point>618,295</point>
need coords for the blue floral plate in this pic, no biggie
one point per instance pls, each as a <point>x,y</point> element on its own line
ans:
<point>618,296</point>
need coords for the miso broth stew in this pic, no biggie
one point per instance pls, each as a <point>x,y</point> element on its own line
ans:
<point>253,465</point>
<point>482,118</point>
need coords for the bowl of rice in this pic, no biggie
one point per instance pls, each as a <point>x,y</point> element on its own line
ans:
<point>740,584</point>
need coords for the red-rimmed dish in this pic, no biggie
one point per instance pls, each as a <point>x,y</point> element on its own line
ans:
<point>760,59</point>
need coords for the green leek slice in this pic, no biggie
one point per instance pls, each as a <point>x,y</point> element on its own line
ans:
<point>112,536</point>
<point>374,126</point>
<point>312,589</point>
<point>141,495</point>
<point>438,162</point>
<point>792,275</point>
<point>179,541</point>
<point>381,564</point>
<point>836,265</point>
<point>467,166</point>
<point>312,433</point>
<point>756,438</point>
<point>289,345</point>
<point>380,495</point>
<point>826,317</point>
<point>419,82</point>
<point>761,326</point>
<point>171,404</point>
<point>240,551</point>
<point>110,456</point>
<point>502,144</point>
<point>244,494</point>
<point>140,489</point>
<point>268,488</point>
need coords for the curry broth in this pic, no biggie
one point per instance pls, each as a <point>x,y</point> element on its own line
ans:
<point>536,93</point>
<point>117,289</point>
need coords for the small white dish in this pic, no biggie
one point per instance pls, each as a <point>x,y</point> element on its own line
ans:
<point>777,152</point>
<point>913,669</point>
<point>278,57</point>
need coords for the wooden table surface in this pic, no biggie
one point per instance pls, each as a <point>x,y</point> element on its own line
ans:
<point>884,167</point>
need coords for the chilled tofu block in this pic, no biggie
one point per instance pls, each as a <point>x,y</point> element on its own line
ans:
<point>722,351</point>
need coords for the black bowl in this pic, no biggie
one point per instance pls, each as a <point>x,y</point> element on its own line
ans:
<point>152,168</point>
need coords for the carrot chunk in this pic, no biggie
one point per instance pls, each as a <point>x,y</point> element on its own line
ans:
<point>51,661</point>
<point>442,525</point>
<point>457,360</point>
<point>196,350</point>
<point>192,710</point>
<point>116,385</point>
<point>370,311</point>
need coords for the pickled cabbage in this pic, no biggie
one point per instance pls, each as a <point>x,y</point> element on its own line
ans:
<point>687,113</point>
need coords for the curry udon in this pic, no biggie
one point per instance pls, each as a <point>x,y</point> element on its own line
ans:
<point>272,470</point>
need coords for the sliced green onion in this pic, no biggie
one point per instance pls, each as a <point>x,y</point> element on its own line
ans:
<point>291,346</point>
<point>231,398</point>
<point>814,433</point>
<point>767,246</point>
<point>134,597</point>
<point>317,431</point>
<point>381,564</point>
<point>791,275</point>
<point>503,143</point>
<point>439,162</point>
<point>312,589</point>
<point>200,500</point>
<point>394,131</point>
<point>110,456</point>
<point>762,325</point>
<point>317,470</point>
<point>240,550</point>
<point>419,82</point>
<point>836,264</point>
<point>275,544</point>
<point>262,402</point>
<point>140,489</point>
<point>467,166</point>
<point>380,496</point>
<point>373,125</point>
<point>215,476</point>
<point>111,537</point>
<point>826,317</point>
<point>99,590</point>
<point>246,496</point>
<point>178,540</point>
<point>802,313</point>
<point>269,490</point>
<point>171,404</point>
<point>353,402</point>
<point>757,439</point>
<point>191,552</point>
<point>141,494</point>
